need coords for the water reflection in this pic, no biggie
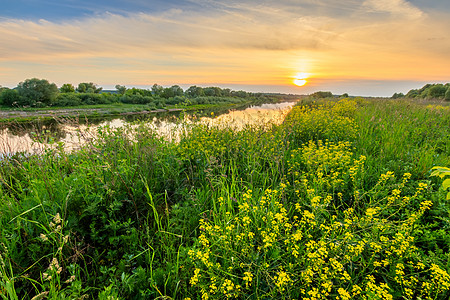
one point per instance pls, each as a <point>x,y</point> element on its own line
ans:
<point>253,115</point>
<point>72,133</point>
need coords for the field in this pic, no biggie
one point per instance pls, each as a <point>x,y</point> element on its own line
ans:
<point>335,203</point>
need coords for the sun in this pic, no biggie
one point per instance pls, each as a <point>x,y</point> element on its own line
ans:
<point>300,79</point>
<point>300,82</point>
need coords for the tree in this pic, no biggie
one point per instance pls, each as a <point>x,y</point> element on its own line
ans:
<point>172,91</point>
<point>437,91</point>
<point>9,97</point>
<point>32,91</point>
<point>430,91</point>
<point>239,94</point>
<point>177,90</point>
<point>121,89</point>
<point>412,93</point>
<point>213,91</point>
<point>167,93</point>
<point>447,94</point>
<point>226,92</point>
<point>88,87</point>
<point>67,88</point>
<point>157,90</point>
<point>423,91</point>
<point>398,95</point>
<point>194,91</point>
<point>136,91</point>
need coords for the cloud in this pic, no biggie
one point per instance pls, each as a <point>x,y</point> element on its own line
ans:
<point>394,7</point>
<point>231,25</point>
<point>110,34</point>
<point>233,41</point>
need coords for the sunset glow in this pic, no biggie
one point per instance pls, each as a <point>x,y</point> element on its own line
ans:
<point>301,79</point>
<point>389,45</point>
<point>300,82</point>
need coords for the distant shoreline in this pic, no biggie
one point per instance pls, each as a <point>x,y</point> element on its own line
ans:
<point>7,116</point>
<point>103,110</point>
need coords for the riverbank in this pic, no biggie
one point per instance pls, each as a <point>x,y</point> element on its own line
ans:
<point>116,108</point>
<point>94,111</point>
<point>89,112</point>
<point>41,134</point>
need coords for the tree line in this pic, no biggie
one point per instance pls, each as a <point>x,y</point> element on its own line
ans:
<point>437,91</point>
<point>36,92</point>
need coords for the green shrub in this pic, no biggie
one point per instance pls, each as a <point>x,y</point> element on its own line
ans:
<point>9,97</point>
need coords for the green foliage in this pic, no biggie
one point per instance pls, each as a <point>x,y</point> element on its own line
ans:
<point>9,97</point>
<point>172,91</point>
<point>321,94</point>
<point>437,91</point>
<point>332,121</point>
<point>215,100</point>
<point>398,95</point>
<point>67,88</point>
<point>88,87</point>
<point>443,172</point>
<point>447,94</point>
<point>157,90</point>
<point>430,91</point>
<point>158,96</point>
<point>136,98</point>
<point>194,91</point>
<point>37,92</point>
<point>412,94</point>
<point>212,91</point>
<point>68,99</point>
<point>121,89</point>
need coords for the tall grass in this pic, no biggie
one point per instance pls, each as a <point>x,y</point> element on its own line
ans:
<point>335,203</point>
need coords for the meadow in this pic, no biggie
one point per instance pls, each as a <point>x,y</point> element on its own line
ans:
<point>337,202</point>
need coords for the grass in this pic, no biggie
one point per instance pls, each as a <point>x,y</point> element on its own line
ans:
<point>335,203</point>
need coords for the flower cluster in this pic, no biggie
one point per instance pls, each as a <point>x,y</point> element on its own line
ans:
<point>310,250</point>
<point>324,167</point>
<point>332,121</point>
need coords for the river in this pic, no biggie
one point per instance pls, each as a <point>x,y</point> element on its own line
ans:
<point>72,133</point>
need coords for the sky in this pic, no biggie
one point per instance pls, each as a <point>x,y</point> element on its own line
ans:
<point>366,48</point>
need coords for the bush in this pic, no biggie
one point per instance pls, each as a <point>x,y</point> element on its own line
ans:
<point>10,97</point>
<point>447,94</point>
<point>436,91</point>
<point>398,95</point>
<point>92,98</point>
<point>136,99</point>
<point>68,99</point>
<point>321,122</point>
<point>320,95</point>
<point>214,100</point>
<point>175,100</point>
<point>430,91</point>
